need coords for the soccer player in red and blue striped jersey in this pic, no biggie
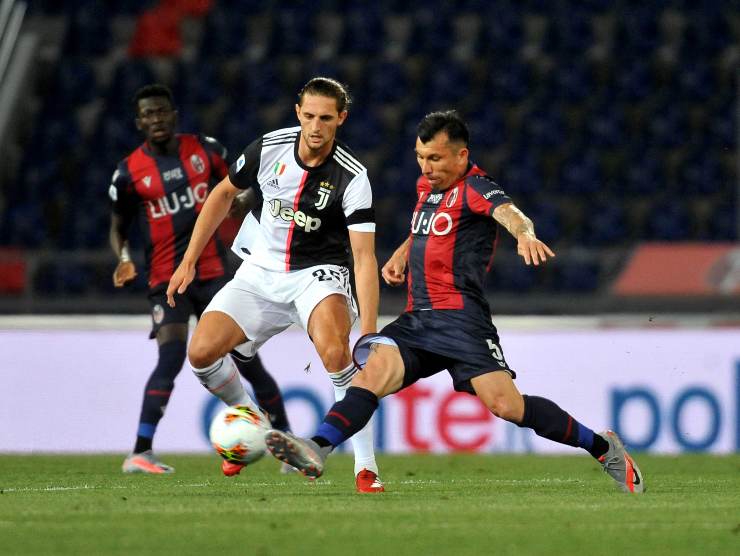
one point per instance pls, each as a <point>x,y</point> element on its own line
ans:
<point>447,321</point>
<point>165,182</point>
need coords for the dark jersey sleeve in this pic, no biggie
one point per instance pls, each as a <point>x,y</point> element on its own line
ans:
<point>217,153</point>
<point>122,193</point>
<point>484,195</point>
<point>243,172</point>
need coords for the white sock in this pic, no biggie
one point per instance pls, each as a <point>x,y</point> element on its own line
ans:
<point>364,440</point>
<point>222,380</point>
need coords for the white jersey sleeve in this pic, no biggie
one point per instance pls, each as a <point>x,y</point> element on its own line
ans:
<point>357,204</point>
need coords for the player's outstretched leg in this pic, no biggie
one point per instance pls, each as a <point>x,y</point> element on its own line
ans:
<point>302,453</point>
<point>620,466</point>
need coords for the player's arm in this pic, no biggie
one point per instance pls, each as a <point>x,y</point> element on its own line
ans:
<point>125,269</point>
<point>214,211</point>
<point>518,225</point>
<point>394,271</point>
<point>366,279</point>
<point>123,212</point>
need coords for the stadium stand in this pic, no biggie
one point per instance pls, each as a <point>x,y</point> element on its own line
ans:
<point>610,124</point>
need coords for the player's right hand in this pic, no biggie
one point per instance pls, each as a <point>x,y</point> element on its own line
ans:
<point>124,273</point>
<point>180,281</point>
<point>394,271</point>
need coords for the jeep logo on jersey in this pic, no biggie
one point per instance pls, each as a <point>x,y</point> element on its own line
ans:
<point>172,203</point>
<point>438,223</point>
<point>325,189</point>
<point>301,219</point>
<point>197,163</point>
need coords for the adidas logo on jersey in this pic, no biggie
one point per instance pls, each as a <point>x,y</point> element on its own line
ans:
<point>301,219</point>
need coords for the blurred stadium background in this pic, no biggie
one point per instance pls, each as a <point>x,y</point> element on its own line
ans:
<point>613,124</point>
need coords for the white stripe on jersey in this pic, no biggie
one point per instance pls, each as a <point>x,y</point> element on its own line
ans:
<point>290,138</point>
<point>345,165</point>
<point>350,159</point>
<point>283,131</point>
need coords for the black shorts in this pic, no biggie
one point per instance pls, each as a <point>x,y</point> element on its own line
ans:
<point>193,302</point>
<point>435,340</point>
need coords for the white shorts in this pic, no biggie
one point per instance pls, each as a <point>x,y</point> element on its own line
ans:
<point>265,302</point>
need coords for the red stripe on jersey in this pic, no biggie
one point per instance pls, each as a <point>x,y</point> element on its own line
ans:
<point>440,253</point>
<point>292,222</point>
<point>196,162</point>
<point>481,205</point>
<point>409,279</point>
<point>148,182</point>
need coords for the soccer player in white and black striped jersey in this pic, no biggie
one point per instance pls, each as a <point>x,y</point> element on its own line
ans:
<point>316,208</point>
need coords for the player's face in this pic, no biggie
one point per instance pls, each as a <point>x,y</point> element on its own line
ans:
<point>441,161</point>
<point>156,119</point>
<point>319,119</point>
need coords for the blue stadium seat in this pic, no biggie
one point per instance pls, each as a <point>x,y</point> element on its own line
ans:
<point>75,83</point>
<point>581,173</point>
<point>668,221</point>
<point>509,82</point>
<point>224,33</point>
<point>643,174</point>
<point>576,275</point>
<point>128,76</point>
<point>696,81</point>
<point>605,223</point>
<point>387,81</point>
<point>701,173</point>
<point>606,126</point>
<point>668,125</point>
<point>89,32</point>
<point>487,127</point>
<point>294,33</point>
<point>545,127</point>
<point>503,30</point>
<point>521,172</point>
<point>363,31</point>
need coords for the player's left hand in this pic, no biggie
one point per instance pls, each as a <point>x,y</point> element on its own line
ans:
<point>532,250</point>
<point>124,273</point>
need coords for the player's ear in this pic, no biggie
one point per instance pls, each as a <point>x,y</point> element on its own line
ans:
<point>298,111</point>
<point>342,116</point>
<point>137,121</point>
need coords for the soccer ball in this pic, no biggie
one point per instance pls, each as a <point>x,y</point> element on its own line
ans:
<point>238,434</point>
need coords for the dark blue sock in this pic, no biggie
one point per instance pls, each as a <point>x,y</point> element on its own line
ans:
<point>346,417</point>
<point>549,421</point>
<point>265,389</point>
<point>157,392</point>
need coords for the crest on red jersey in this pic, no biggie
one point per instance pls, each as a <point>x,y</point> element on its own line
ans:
<point>197,163</point>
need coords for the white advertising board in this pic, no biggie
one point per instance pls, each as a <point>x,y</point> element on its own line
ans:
<point>665,391</point>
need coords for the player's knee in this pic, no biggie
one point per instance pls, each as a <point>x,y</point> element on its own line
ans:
<point>334,355</point>
<point>503,407</point>
<point>202,354</point>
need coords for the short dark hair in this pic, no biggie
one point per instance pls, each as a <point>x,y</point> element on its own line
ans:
<point>152,90</point>
<point>326,87</point>
<point>448,121</point>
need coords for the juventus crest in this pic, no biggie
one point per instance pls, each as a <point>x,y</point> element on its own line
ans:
<point>325,189</point>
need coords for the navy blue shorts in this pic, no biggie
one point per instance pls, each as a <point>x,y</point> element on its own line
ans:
<point>193,302</point>
<point>435,340</point>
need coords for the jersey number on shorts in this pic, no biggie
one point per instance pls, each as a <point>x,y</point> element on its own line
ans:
<point>495,351</point>
<point>323,275</point>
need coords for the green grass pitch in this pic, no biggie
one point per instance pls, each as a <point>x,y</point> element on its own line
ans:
<point>457,504</point>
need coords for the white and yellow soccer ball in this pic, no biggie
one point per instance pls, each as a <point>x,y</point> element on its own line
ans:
<point>238,434</point>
